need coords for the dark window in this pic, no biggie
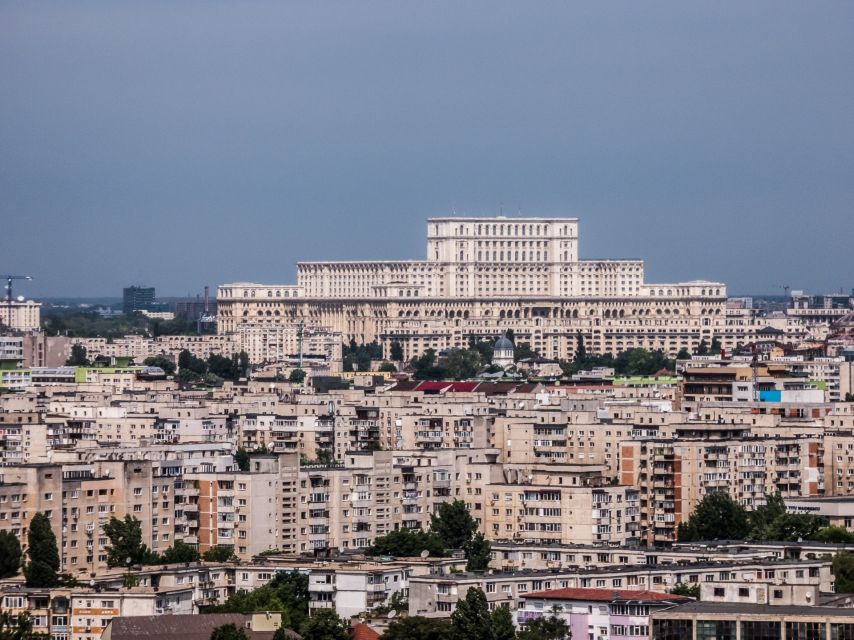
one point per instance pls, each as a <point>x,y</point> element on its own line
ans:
<point>761,630</point>
<point>719,592</point>
<point>716,629</point>
<point>743,593</point>
<point>806,631</point>
<point>672,629</point>
<point>842,631</point>
<point>778,593</point>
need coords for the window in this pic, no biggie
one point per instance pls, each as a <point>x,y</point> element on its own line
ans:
<point>805,630</point>
<point>715,630</point>
<point>761,630</point>
<point>673,629</point>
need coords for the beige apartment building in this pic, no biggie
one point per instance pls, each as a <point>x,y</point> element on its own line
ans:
<point>483,276</point>
<point>21,315</point>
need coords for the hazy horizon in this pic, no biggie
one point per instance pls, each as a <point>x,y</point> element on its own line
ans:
<point>194,143</point>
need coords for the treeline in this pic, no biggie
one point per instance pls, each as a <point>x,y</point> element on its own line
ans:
<point>126,547</point>
<point>452,527</point>
<point>213,370</point>
<point>719,517</point>
<point>88,324</point>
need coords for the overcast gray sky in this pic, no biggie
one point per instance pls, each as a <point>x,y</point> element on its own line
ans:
<point>187,143</point>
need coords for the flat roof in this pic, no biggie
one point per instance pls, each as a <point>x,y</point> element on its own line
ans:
<point>775,611</point>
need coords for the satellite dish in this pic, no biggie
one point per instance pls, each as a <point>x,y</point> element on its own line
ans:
<point>425,554</point>
<point>391,614</point>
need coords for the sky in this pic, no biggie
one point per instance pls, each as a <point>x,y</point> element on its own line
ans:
<point>179,144</point>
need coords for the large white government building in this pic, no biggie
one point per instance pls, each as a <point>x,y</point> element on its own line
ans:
<point>483,276</point>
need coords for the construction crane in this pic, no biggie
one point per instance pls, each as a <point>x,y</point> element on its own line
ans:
<point>9,297</point>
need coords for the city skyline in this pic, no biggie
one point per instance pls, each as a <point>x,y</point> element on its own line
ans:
<point>193,144</point>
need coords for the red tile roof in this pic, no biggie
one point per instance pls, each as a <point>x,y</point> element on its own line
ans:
<point>361,631</point>
<point>605,595</point>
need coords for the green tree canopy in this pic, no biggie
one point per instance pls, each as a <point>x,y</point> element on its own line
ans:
<point>545,628</point>
<point>286,593</point>
<point>471,619</point>
<point>682,589</point>
<point>396,352</point>
<point>297,376</point>
<point>241,459</point>
<point>229,632</point>
<point>163,362</point>
<point>834,534</point>
<point>453,524</point>
<point>324,624</point>
<point>717,517</point>
<point>189,363</point>
<point>126,545</point>
<point>407,543</point>
<point>180,552</point>
<point>418,628</point>
<point>42,569</point>
<point>478,553</point>
<point>18,627</point>
<point>843,570</point>
<point>462,364</point>
<point>501,624</point>
<point>78,356</point>
<point>218,554</point>
<point>10,554</point>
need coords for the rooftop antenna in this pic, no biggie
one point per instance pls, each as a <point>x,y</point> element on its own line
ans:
<point>10,297</point>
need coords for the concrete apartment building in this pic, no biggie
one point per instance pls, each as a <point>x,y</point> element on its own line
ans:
<point>481,277</point>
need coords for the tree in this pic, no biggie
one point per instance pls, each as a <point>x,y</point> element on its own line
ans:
<point>387,367</point>
<point>682,589</point>
<point>10,554</point>
<point>580,349</point>
<point>702,348</point>
<point>229,632</point>
<point>763,515</point>
<point>41,571</point>
<point>683,354</point>
<point>545,628</point>
<point>188,363</point>
<point>453,524</point>
<point>715,349</point>
<point>717,517</point>
<point>523,350</point>
<point>843,570</point>
<point>794,527</point>
<point>396,352</point>
<point>324,624</point>
<point>834,534</point>
<point>297,376</point>
<point>418,628</point>
<point>462,364</point>
<point>471,619</point>
<point>163,362</point>
<point>501,625</point>
<point>78,357</point>
<point>849,397</point>
<point>126,545</point>
<point>241,459</point>
<point>407,543</point>
<point>218,554</point>
<point>180,552</point>
<point>18,627</point>
<point>219,365</point>
<point>286,593</point>
<point>478,553</point>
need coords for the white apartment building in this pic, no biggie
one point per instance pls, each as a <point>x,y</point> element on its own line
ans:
<point>483,276</point>
<point>20,315</point>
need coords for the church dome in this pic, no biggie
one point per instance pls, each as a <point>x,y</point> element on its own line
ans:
<point>503,343</point>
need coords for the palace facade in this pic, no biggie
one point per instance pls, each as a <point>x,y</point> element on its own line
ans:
<point>483,276</point>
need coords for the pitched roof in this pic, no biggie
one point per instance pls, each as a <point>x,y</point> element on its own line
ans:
<point>606,595</point>
<point>361,631</point>
<point>181,627</point>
